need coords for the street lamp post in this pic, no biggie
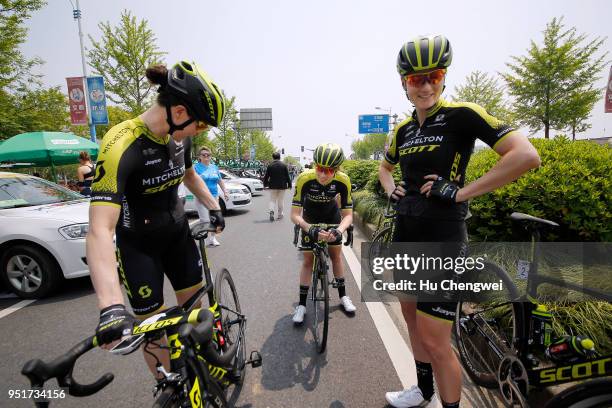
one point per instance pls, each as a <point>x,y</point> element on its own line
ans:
<point>76,14</point>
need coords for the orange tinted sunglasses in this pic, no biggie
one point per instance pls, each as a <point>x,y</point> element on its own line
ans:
<point>433,77</point>
<point>326,170</point>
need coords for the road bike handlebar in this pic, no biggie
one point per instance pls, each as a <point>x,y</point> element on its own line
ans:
<point>38,372</point>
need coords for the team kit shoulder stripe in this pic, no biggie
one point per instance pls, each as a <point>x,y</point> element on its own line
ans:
<point>114,145</point>
<point>299,186</point>
<point>491,120</point>
<point>392,150</point>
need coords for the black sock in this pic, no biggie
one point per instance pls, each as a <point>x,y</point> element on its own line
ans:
<point>341,287</point>
<point>425,379</point>
<point>450,404</point>
<point>303,294</point>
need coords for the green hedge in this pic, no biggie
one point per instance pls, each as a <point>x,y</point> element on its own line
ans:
<point>572,187</point>
<point>360,170</point>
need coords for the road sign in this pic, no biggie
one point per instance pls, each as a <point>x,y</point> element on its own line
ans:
<point>373,123</point>
<point>256,118</point>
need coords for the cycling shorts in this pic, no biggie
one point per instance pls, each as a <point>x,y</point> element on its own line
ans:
<point>143,260</point>
<point>420,229</point>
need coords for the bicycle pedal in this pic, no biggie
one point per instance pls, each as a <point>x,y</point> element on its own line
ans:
<point>254,359</point>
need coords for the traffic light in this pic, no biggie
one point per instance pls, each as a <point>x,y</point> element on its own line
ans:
<point>302,147</point>
<point>283,150</point>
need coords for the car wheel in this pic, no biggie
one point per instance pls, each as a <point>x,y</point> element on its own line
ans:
<point>29,272</point>
<point>222,205</point>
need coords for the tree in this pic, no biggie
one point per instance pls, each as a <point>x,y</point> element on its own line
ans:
<point>553,86</point>
<point>224,142</point>
<point>484,90</point>
<point>13,65</point>
<point>263,145</point>
<point>371,143</point>
<point>121,57</point>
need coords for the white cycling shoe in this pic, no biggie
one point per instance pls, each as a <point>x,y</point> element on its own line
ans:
<point>347,304</point>
<point>409,398</point>
<point>298,315</point>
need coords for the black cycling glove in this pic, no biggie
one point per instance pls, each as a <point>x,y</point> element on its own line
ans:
<point>336,233</point>
<point>216,219</point>
<point>115,322</point>
<point>313,233</point>
<point>444,189</point>
<point>395,197</point>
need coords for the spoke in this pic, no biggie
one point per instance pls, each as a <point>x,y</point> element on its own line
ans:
<point>19,262</point>
<point>13,274</point>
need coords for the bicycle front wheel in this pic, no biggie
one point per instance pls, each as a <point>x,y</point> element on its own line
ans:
<point>320,301</point>
<point>485,330</point>
<point>231,322</point>
<point>589,394</point>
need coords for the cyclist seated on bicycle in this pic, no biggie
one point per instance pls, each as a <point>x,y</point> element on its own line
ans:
<point>142,161</point>
<point>314,202</point>
<point>433,148</point>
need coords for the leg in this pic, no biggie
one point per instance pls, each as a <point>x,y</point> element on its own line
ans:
<point>335,253</point>
<point>435,334</point>
<point>280,204</point>
<point>272,204</point>
<point>305,281</point>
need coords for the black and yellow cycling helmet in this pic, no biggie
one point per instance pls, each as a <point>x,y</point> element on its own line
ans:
<point>424,52</point>
<point>328,155</point>
<point>192,85</point>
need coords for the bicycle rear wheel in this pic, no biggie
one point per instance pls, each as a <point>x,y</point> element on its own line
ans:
<point>320,301</point>
<point>379,248</point>
<point>589,394</point>
<point>229,307</point>
<point>485,330</point>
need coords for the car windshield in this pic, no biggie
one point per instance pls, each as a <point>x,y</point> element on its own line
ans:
<point>228,175</point>
<point>27,191</point>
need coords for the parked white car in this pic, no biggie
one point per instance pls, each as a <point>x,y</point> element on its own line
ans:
<point>239,197</point>
<point>42,234</point>
<point>254,185</point>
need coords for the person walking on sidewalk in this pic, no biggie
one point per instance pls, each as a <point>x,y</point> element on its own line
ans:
<point>278,180</point>
<point>209,172</point>
<point>433,147</point>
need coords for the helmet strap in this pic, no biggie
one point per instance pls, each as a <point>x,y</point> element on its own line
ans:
<point>173,126</point>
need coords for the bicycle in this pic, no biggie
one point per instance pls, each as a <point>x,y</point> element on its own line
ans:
<point>206,346</point>
<point>382,237</point>
<point>319,294</point>
<point>497,343</point>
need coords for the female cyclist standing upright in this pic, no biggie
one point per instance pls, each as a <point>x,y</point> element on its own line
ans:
<point>433,147</point>
<point>141,163</point>
<point>315,202</point>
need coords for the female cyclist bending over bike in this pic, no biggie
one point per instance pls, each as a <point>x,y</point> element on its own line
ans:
<point>142,161</point>
<point>433,147</point>
<point>314,202</point>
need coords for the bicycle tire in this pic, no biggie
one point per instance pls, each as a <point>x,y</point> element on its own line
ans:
<point>320,298</point>
<point>169,398</point>
<point>595,393</point>
<point>477,355</point>
<point>209,393</point>
<point>377,248</point>
<point>226,294</point>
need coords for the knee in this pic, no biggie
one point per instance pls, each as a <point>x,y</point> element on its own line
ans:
<point>438,348</point>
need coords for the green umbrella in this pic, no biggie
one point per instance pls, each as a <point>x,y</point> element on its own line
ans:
<point>43,149</point>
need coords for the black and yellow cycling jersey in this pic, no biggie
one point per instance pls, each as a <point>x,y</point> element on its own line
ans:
<point>443,146</point>
<point>318,201</point>
<point>140,173</point>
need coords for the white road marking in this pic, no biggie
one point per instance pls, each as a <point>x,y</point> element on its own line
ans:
<point>15,307</point>
<point>400,354</point>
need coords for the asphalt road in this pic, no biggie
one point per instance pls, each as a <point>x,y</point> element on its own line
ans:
<point>354,372</point>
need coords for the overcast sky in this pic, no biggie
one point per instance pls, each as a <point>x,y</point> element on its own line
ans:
<point>320,64</point>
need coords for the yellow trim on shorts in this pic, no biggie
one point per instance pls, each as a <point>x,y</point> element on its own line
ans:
<point>435,317</point>
<point>106,204</point>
